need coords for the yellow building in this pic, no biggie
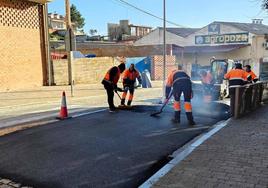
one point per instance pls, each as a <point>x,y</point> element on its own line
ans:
<point>23,44</point>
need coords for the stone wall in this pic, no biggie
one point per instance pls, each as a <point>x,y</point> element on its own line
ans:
<point>85,70</point>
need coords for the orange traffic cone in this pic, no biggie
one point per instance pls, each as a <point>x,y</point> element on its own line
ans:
<point>63,111</point>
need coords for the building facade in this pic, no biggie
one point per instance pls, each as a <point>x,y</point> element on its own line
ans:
<point>23,44</point>
<point>56,22</point>
<point>242,42</point>
<point>125,31</point>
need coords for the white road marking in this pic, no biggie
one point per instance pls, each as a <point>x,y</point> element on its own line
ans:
<point>39,118</point>
<point>188,149</point>
<point>88,113</point>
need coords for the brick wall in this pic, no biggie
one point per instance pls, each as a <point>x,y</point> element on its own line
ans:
<point>85,70</point>
<point>157,66</point>
<point>21,45</point>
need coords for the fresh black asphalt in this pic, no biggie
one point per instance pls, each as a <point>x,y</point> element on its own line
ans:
<point>98,150</point>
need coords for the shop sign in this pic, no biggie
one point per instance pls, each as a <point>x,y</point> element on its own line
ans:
<point>221,39</point>
<point>214,28</point>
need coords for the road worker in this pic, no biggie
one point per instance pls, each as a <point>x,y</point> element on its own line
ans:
<point>207,81</point>
<point>181,83</point>
<point>236,77</point>
<point>254,78</point>
<point>248,93</point>
<point>129,80</point>
<point>110,83</point>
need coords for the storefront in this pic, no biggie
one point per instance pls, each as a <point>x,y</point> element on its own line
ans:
<point>241,42</point>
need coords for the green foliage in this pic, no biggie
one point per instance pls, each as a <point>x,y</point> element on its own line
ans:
<point>265,4</point>
<point>76,17</point>
<point>55,37</point>
<point>93,31</point>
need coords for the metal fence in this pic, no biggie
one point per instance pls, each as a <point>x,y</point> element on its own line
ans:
<point>245,99</point>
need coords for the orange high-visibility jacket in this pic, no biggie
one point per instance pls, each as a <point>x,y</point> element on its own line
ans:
<point>176,76</point>
<point>113,75</point>
<point>129,77</point>
<point>207,79</point>
<point>237,77</point>
<point>253,75</point>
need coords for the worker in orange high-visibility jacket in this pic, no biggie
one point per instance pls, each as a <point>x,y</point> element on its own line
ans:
<point>236,77</point>
<point>207,81</point>
<point>129,80</point>
<point>254,78</point>
<point>181,83</point>
<point>110,84</point>
<point>248,93</point>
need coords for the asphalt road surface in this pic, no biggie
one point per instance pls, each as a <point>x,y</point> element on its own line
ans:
<point>98,150</point>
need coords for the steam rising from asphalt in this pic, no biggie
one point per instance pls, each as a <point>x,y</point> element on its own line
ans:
<point>212,109</point>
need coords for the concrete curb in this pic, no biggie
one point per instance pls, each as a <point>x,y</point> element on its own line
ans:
<point>182,153</point>
<point>17,125</point>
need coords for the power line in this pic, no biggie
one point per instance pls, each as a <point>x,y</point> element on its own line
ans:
<point>148,13</point>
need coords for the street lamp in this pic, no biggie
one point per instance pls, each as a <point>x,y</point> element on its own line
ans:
<point>164,47</point>
<point>69,43</point>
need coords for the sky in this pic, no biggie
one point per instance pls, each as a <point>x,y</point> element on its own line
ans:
<point>187,13</point>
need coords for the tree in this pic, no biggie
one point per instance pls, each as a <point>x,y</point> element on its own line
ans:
<point>93,32</point>
<point>76,17</point>
<point>265,4</point>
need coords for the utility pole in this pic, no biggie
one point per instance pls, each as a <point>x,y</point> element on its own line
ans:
<point>164,47</point>
<point>69,43</point>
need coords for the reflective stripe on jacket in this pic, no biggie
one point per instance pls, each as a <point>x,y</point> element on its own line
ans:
<point>131,76</point>
<point>176,76</point>
<point>237,77</point>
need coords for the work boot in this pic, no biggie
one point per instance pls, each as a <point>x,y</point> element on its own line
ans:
<point>190,118</point>
<point>123,102</point>
<point>112,110</point>
<point>129,103</point>
<point>176,118</point>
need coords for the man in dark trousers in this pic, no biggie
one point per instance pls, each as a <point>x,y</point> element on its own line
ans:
<point>237,77</point>
<point>129,80</point>
<point>110,83</point>
<point>249,90</point>
<point>181,83</point>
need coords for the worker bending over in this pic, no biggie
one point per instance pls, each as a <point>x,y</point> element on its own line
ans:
<point>129,79</point>
<point>110,84</point>
<point>181,83</point>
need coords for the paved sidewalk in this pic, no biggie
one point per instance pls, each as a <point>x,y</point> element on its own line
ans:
<point>44,99</point>
<point>236,156</point>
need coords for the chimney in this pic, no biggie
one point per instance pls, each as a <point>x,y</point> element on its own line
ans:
<point>257,21</point>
